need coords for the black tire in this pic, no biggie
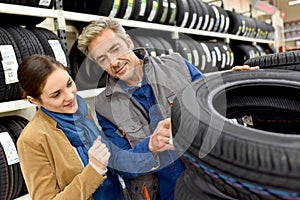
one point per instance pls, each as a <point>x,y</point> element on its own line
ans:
<point>86,73</point>
<point>205,14</point>
<point>9,87</point>
<point>15,125</point>
<point>145,43</point>
<point>190,186</point>
<point>27,41</point>
<point>182,15</point>
<point>285,60</point>
<point>235,26</point>
<point>243,52</point>
<point>52,45</point>
<point>260,161</point>
<point>171,18</point>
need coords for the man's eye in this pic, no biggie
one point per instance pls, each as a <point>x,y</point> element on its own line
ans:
<point>116,49</point>
<point>102,60</point>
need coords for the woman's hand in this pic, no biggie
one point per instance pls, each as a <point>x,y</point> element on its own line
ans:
<point>99,154</point>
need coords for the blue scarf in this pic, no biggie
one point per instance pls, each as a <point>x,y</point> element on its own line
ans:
<point>81,132</point>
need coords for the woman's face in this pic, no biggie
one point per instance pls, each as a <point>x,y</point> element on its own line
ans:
<point>59,93</point>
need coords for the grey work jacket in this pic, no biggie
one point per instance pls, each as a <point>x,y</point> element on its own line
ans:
<point>166,75</point>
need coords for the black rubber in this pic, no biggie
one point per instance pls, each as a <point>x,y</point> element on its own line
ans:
<point>284,60</point>
<point>257,161</point>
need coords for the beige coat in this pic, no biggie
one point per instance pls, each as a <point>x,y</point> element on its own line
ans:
<point>51,166</point>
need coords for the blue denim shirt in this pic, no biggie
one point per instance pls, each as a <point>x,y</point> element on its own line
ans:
<point>144,95</point>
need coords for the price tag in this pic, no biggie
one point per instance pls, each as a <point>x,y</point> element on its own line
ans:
<point>9,147</point>
<point>9,63</point>
<point>58,51</point>
<point>45,3</point>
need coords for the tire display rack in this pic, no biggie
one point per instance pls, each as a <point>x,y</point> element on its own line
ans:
<point>61,16</point>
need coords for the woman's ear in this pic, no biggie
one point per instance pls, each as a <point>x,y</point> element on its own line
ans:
<point>33,100</point>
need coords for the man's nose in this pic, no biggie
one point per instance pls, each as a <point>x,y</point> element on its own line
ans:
<point>113,60</point>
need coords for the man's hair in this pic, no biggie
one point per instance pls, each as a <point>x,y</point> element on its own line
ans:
<point>97,27</point>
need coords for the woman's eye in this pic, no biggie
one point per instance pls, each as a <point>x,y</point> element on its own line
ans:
<point>56,95</point>
<point>70,83</point>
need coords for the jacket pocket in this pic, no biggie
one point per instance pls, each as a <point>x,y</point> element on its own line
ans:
<point>133,131</point>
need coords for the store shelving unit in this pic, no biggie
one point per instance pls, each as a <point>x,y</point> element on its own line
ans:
<point>60,16</point>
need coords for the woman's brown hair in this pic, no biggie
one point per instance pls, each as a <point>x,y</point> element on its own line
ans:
<point>33,73</point>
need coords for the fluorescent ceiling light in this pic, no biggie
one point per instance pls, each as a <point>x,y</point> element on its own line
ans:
<point>291,3</point>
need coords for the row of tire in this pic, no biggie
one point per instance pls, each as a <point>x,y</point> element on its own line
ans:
<point>194,14</point>
<point>207,56</point>
<point>23,19</point>
<point>255,158</point>
<point>12,184</point>
<point>17,43</point>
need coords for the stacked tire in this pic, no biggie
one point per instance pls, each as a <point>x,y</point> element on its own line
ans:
<point>237,132</point>
<point>17,43</point>
<point>12,184</point>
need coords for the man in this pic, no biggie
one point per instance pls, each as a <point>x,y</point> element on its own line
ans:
<point>137,102</point>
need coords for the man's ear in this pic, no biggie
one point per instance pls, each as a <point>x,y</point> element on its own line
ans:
<point>129,42</point>
<point>33,100</point>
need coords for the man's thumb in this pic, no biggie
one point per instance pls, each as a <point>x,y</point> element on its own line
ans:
<point>167,123</point>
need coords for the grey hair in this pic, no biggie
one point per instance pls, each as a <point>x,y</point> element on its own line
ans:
<point>95,28</point>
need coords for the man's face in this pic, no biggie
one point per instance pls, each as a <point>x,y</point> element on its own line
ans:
<point>113,54</point>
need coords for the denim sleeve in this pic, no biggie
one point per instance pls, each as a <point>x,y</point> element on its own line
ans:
<point>194,71</point>
<point>130,162</point>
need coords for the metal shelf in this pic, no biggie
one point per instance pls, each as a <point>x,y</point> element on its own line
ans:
<point>82,17</point>
<point>292,39</point>
<point>24,104</point>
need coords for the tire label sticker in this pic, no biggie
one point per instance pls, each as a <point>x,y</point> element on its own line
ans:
<point>9,64</point>
<point>129,9</point>
<point>153,11</point>
<point>115,8</point>
<point>143,8</point>
<point>58,51</point>
<point>9,147</point>
<point>165,12</point>
<point>45,3</point>
<point>173,8</point>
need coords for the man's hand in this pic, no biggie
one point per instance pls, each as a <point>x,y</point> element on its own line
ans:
<point>160,139</point>
<point>99,154</point>
<point>244,67</point>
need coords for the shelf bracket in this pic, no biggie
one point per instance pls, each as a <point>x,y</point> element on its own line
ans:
<point>60,23</point>
<point>175,34</point>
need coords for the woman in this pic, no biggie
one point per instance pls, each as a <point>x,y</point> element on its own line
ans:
<point>53,147</point>
<point>62,153</point>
